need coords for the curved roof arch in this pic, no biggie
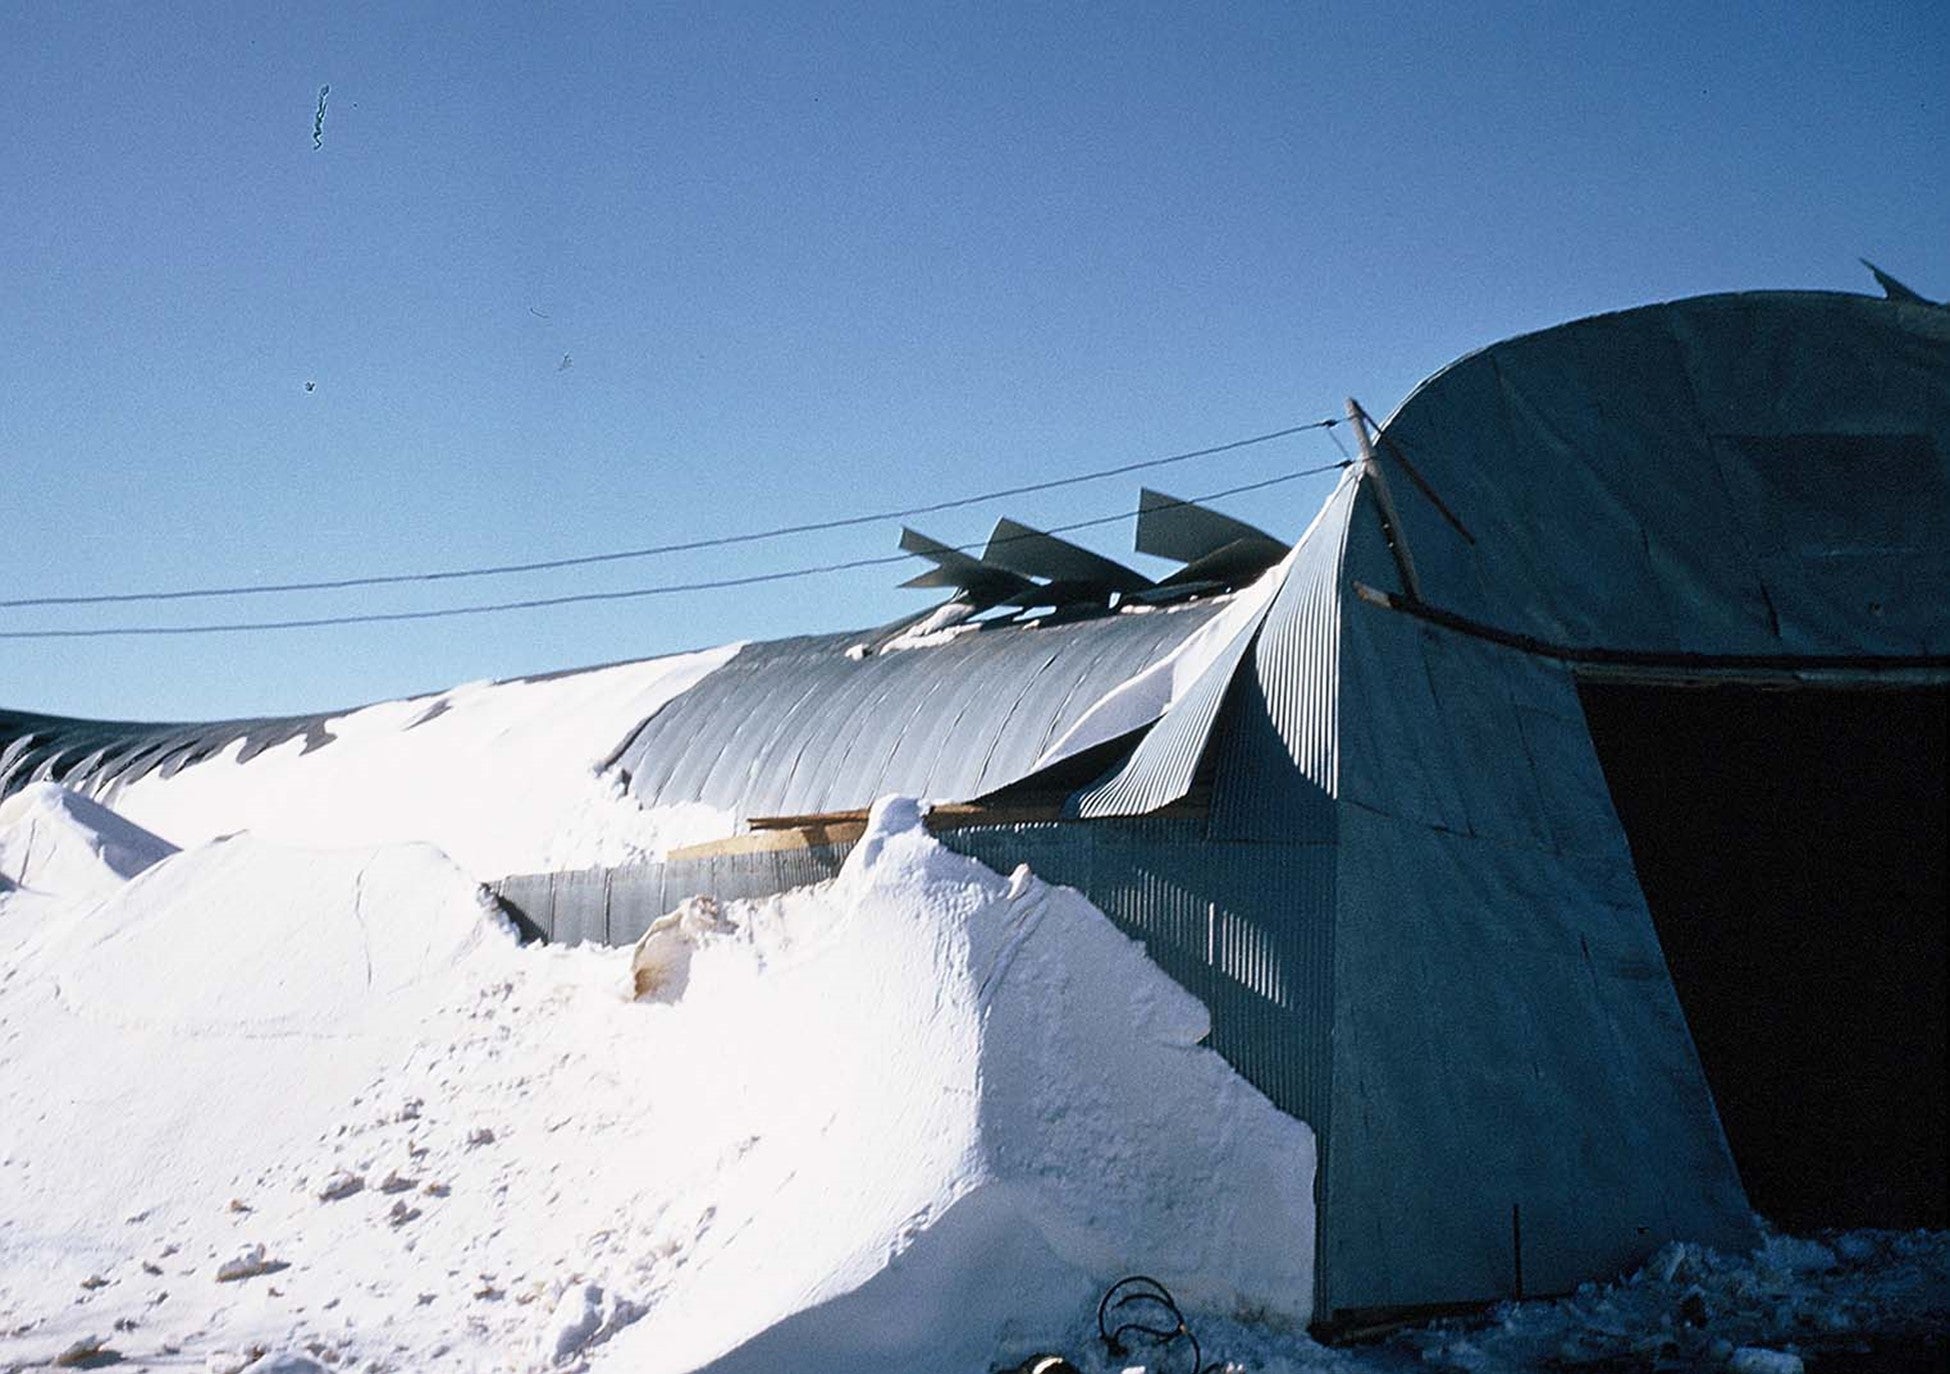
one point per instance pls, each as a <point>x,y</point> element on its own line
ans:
<point>1762,473</point>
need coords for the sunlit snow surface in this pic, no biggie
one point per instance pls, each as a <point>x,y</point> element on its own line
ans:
<point>505,777</point>
<point>274,1107</point>
<point>267,1100</point>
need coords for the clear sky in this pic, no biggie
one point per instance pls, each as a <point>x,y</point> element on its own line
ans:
<point>567,279</point>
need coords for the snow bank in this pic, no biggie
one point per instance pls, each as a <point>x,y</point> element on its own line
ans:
<point>504,777</point>
<point>974,1104</point>
<point>58,844</point>
<point>291,1110</point>
<point>165,1044</point>
<point>274,940</point>
<point>316,1106</point>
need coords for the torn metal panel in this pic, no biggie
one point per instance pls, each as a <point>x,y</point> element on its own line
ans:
<point>1303,611</point>
<point>1185,531</point>
<point>1021,549</point>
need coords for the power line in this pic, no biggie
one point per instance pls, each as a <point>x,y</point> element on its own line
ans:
<point>622,555</point>
<point>634,593</point>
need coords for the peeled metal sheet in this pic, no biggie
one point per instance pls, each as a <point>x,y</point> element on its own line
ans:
<point>1162,767</point>
<point>1185,531</point>
<point>1033,553</point>
<point>982,583</point>
<point>1303,619</point>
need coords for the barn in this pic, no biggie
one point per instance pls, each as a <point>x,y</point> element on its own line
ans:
<point>1558,826</point>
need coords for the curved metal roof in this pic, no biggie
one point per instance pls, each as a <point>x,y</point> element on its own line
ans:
<point>36,748</point>
<point>1758,473</point>
<point>795,726</point>
<point>1745,474</point>
<point>799,727</point>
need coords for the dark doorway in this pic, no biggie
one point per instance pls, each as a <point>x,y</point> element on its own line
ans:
<point>1791,846</point>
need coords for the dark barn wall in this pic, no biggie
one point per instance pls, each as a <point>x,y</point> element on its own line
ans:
<point>1791,844</point>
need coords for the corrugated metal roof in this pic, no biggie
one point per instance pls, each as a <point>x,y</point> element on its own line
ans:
<point>797,727</point>
<point>1296,638</point>
<point>95,752</point>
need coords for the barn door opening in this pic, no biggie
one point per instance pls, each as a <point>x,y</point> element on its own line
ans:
<point>1791,846</point>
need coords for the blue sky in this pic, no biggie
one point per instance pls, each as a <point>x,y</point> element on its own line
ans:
<point>805,261</point>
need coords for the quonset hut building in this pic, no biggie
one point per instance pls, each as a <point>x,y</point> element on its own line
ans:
<point>1558,827</point>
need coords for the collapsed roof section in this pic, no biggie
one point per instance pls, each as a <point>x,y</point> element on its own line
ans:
<point>1755,477</point>
<point>1406,899</point>
<point>1026,568</point>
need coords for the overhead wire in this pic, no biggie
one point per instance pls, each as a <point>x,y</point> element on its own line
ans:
<point>627,594</point>
<point>655,550</point>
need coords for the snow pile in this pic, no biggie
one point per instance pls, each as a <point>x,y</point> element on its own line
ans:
<point>296,1106</point>
<point>504,777</point>
<point>213,1013</point>
<point>57,844</point>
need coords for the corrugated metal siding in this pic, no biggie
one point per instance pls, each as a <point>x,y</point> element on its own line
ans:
<point>579,907</point>
<point>1247,928</point>
<point>796,727</point>
<point>529,895</point>
<point>1280,745</point>
<point>1295,644</point>
<point>615,906</point>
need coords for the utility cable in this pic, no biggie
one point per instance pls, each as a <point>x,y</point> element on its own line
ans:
<point>622,555</point>
<point>630,594</point>
<point>1159,1320</point>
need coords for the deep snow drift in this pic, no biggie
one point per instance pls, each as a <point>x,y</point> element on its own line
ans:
<point>265,1101</point>
<point>505,777</point>
<point>57,844</point>
<point>294,1110</point>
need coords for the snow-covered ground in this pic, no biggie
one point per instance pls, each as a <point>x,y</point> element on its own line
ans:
<point>263,1102</point>
<point>286,1107</point>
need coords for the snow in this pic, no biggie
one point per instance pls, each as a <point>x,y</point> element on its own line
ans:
<point>58,844</point>
<point>270,1103</point>
<point>288,1107</point>
<point>503,777</point>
